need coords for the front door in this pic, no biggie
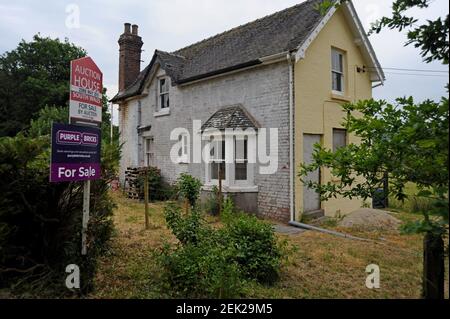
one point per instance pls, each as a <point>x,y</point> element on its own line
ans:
<point>311,199</point>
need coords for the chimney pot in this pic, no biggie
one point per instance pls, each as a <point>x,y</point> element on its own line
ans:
<point>135,29</point>
<point>127,28</point>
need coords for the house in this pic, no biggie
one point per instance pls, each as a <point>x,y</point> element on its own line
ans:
<point>277,84</point>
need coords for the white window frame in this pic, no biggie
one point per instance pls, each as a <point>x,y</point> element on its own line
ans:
<point>217,139</point>
<point>230,168</point>
<point>341,54</point>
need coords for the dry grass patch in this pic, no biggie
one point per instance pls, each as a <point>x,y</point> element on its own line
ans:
<point>322,266</point>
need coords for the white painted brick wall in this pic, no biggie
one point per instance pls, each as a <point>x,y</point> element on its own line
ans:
<point>263,91</point>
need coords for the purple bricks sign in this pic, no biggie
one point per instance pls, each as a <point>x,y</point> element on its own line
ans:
<point>75,153</point>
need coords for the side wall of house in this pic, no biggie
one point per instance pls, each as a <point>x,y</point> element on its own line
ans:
<point>264,93</point>
<point>317,111</point>
<point>128,123</point>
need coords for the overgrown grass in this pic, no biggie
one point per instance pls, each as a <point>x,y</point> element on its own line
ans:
<point>323,266</point>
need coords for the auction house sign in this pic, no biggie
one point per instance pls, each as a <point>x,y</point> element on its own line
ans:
<point>75,153</point>
<point>86,87</point>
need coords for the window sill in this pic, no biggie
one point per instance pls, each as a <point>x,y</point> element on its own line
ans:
<point>163,112</point>
<point>183,161</point>
<point>340,97</point>
<point>232,189</point>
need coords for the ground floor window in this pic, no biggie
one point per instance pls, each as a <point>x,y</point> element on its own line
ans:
<point>241,159</point>
<point>149,151</point>
<point>229,159</point>
<point>217,159</point>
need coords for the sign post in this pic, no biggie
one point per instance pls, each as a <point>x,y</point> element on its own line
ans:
<point>76,148</point>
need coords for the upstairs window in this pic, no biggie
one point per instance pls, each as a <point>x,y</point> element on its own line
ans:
<point>337,71</point>
<point>164,102</point>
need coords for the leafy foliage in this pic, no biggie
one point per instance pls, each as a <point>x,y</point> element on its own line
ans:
<point>431,38</point>
<point>201,271</point>
<point>188,230</point>
<point>42,125</point>
<point>189,187</point>
<point>34,75</point>
<point>217,263</point>
<point>407,141</point>
<point>40,223</point>
<point>158,189</point>
<point>254,247</point>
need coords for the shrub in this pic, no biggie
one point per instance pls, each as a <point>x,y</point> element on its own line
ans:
<point>40,222</point>
<point>217,263</point>
<point>200,271</point>
<point>189,187</point>
<point>189,229</point>
<point>211,205</point>
<point>255,248</point>
<point>158,189</point>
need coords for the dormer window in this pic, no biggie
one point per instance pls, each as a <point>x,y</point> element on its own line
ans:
<point>164,102</point>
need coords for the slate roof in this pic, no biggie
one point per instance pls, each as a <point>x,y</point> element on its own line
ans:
<point>237,48</point>
<point>231,117</point>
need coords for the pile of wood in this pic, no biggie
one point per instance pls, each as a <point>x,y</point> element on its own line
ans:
<point>132,189</point>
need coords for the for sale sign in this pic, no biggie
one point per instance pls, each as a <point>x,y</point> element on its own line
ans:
<point>75,153</point>
<point>86,87</point>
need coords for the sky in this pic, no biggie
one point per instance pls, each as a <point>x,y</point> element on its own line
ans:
<point>168,25</point>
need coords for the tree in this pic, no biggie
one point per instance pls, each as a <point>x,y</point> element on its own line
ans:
<point>32,76</point>
<point>406,142</point>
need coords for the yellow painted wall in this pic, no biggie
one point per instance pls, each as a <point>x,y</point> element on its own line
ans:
<point>317,111</point>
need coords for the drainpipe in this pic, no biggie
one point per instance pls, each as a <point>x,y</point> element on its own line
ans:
<point>291,137</point>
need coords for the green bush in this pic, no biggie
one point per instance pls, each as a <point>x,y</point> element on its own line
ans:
<point>189,229</point>
<point>216,263</point>
<point>40,222</point>
<point>200,271</point>
<point>211,204</point>
<point>255,248</point>
<point>189,187</point>
<point>158,189</point>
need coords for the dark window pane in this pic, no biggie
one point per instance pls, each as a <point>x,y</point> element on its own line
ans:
<point>215,170</point>
<point>164,101</point>
<point>337,82</point>
<point>241,171</point>
<point>162,87</point>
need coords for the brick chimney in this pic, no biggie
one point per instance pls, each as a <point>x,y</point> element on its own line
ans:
<point>130,56</point>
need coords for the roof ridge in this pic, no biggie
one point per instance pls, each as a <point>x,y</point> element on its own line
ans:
<point>241,26</point>
<point>170,53</point>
